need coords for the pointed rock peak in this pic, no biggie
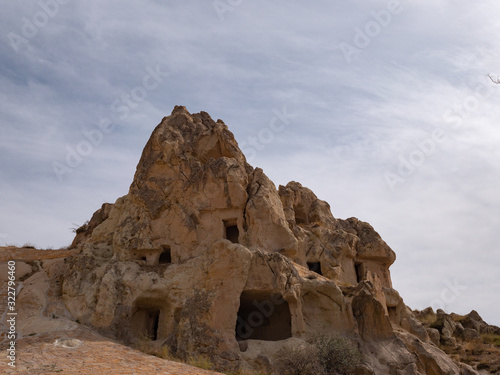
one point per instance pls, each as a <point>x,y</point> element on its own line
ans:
<point>179,109</point>
<point>184,121</point>
<point>184,147</point>
<point>180,114</point>
<point>194,138</point>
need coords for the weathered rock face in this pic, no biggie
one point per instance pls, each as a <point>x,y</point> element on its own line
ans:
<point>205,255</point>
<point>466,337</point>
<point>192,187</point>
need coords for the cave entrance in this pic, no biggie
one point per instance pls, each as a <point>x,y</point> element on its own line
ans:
<point>145,322</point>
<point>360,274</point>
<point>231,231</point>
<point>315,267</point>
<point>263,316</point>
<point>165,256</point>
<point>300,214</point>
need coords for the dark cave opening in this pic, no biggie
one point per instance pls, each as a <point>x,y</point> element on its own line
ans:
<point>360,274</point>
<point>315,267</point>
<point>263,316</point>
<point>165,256</point>
<point>231,231</point>
<point>145,322</point>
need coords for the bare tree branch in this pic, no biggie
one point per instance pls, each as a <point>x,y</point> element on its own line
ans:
<point>496,81</point>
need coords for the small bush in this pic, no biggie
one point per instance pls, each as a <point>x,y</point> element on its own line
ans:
<point>200,361</point>
<point>299,361</point>
<point>337,354</point>
<point>29,245</point>
<point>325,355</point>
<point>80,228</point>
<point>429,319</point>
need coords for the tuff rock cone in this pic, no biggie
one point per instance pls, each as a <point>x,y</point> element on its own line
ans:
<point>206,255</point>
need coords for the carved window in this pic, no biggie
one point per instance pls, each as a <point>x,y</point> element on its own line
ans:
<point>231,231</point>
<point>360,273</point>
<point>165,256</point>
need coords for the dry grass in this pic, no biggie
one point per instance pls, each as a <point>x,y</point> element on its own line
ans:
<point>27,255</point>
<point>146,345</point>
<point>491,338</point>
<point>458,318</point>
<point>337,353</point>
<point>299,361</point>
<point>158,351</point>
<point>478,352</point>
<point>200,361</point>
<point>430,320</point>
<point>474,348</point>
<point>324,355</point>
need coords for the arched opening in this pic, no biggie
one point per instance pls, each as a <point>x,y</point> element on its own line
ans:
<point>145,322</point>
<point>165,256</point>
<point>263,316</point>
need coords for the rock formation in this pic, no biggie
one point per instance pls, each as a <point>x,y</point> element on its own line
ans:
<point>465,337</point>
<point>206,255</point>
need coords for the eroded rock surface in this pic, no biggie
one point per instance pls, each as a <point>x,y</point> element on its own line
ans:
<point>206,255</point>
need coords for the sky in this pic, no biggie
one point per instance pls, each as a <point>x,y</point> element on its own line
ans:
<point>383,108</point>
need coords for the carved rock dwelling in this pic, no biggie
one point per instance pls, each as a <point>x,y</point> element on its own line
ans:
<point>206,255</point>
